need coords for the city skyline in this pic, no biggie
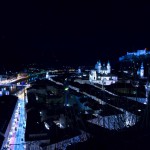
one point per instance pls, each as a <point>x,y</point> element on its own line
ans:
<point>74,75</point>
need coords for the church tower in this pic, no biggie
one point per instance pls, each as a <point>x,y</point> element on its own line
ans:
<point>47,75</point>
<point>108,67</point>
<point>96,65</point>
<point>138,72</point>
<point>142,71</point>
<point>99,67</point>
<point>79,70</point>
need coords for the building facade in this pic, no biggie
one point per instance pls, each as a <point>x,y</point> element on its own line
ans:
<point>102,74</point>
<point>140,71</point>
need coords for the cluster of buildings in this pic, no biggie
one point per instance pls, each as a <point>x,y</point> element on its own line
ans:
<point>136,63</point>
<point>101,74</point>
<point>48,125</point>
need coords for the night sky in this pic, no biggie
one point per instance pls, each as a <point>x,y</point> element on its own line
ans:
<point>72,32</point>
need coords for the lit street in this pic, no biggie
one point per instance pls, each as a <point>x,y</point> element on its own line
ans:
<point>6,82</point>
<point>16,136</point>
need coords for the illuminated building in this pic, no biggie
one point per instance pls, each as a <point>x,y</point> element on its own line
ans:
<point>102,69</point>
<point>79,70</point>
<point>142,71</point>
<point>47,75</point>
<point>102,74</point>
<point>130,55</point>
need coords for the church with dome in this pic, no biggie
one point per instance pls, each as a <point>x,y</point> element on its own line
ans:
<point>102,74</point>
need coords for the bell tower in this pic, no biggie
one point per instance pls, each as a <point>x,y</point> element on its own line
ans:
<point>99,67</point>
<point>108,67</point>
<point>142,71</point>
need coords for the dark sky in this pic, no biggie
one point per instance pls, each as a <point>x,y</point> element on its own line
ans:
<point>72,31</point>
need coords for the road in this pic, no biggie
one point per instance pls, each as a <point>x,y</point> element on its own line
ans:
<point>21,126</point>
<point>6,82</point>
<point>17,132</point>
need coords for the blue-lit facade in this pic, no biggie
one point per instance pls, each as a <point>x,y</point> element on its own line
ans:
<point>102,74</point>
<point>140,71</point>
<point>137,54</point>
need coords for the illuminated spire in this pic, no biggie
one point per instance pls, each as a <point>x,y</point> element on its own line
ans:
<point>142,70</point>
<point>142,65</point>
<point>99,67</point>
<point>108,67</point>
<point>108,63</point>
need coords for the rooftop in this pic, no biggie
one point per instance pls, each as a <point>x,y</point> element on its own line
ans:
<point>7,105</point>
